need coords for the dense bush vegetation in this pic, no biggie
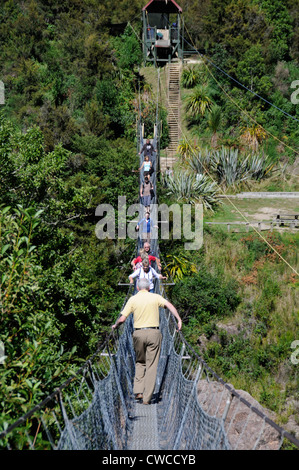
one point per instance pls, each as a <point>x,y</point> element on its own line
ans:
<point>205,296</point>
<point>67,144</point>
<point>240,306</point>
<point>254,49</point>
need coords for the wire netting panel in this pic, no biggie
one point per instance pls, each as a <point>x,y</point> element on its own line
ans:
<point>182,423</point>
<point>106,423</point>
<point>89,431</point>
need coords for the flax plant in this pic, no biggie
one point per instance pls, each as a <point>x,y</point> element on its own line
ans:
<point>229,168</point>
<point>190,188</point>
<point>199,101</point>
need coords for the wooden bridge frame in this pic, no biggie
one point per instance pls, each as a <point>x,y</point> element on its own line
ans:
<point>172,45</point>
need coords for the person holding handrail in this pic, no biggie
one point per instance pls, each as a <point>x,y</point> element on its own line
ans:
<point>145,225</point>
<point>146,271</point>
<point>147,338</point>
<point>147,149</point>
<point>146,188</point>
<point>146,165</point>
<point>147,248</point>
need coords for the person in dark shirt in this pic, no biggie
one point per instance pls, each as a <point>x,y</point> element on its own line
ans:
<point>147,248</point>
<point>147,149</point>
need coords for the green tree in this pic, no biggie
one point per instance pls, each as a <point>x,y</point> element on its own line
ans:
<point>205,296</point>
<point>35,357</point>
<point>128,50</point>
<point>279,20</point>
<point>199,101</point>
<point>214,123</point>
<point>191,76</point>
<point>251,71</point>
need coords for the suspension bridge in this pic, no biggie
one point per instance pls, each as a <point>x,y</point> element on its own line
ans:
<point>192,407</point>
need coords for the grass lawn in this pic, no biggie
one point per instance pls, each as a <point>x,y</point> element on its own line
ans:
<point>254,210</point>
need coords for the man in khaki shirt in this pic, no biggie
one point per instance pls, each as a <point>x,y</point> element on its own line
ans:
<point>147,337</point>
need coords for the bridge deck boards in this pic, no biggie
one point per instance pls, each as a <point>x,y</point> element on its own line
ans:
<point>145,429</point>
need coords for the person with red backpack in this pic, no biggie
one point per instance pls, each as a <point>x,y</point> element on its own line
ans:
<point>147,272</point>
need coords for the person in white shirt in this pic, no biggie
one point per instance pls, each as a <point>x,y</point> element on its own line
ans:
<point>147,272</point>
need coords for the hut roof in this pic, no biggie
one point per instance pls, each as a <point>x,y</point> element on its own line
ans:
<point>162,6</point>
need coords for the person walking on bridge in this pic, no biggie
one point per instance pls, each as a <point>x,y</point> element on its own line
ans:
<point>147,337</point>
<point>145,192</point>
<point>147,272</point>
<point>146,165</point>
<point>146,226</point>
<point>147,149</point>
<point>147,248</point>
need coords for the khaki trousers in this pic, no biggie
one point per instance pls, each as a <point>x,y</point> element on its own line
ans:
<point>147,346</point>
<point>146,237</point>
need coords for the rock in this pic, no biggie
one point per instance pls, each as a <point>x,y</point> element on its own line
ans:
<point>230,328</point>
<point>294,168</point>
<point>202,342</point>
<point>292,425</point>
<point>246,430</point>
